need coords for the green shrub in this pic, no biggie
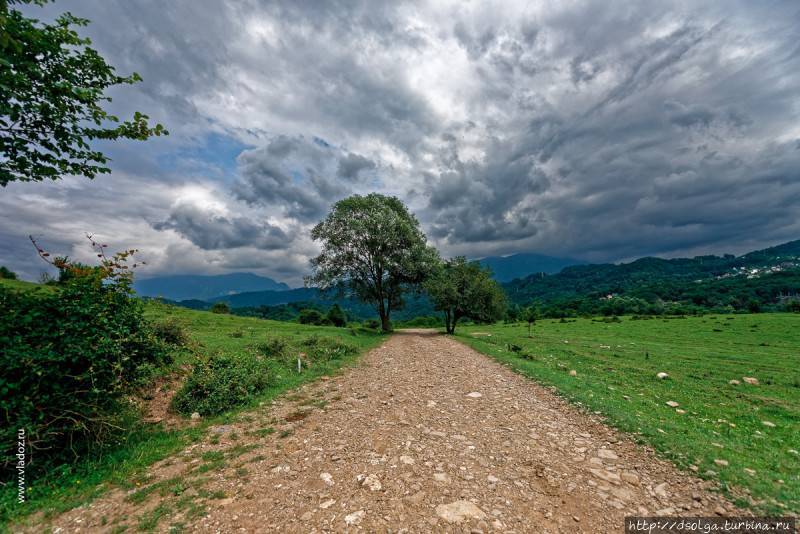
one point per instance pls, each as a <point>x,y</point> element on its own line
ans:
<point>171,331</point>
<point>372,323</point>
<point>222,382</point>
<point>68,357</point>
<point>220,307</point>
<point>273,348</point>
<point>310,316</point>
<point>7,274</point>
<point>336,316</point>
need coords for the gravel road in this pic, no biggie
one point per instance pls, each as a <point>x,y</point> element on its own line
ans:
<point>424,435</point>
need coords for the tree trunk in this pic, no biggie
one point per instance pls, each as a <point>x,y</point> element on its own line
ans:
<point>385,326</point>
<point>447,321</point>
<point>453,324</point>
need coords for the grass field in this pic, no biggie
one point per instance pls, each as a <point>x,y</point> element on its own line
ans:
<point>145,444</point>
<point>754,428</point>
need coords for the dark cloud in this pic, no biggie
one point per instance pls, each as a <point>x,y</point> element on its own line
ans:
<point>300,177</point>
<point>598,129</point>
<point>211,231</point>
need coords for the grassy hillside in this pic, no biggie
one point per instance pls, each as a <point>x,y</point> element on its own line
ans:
<point>754,428</point>
<point>210,335</point>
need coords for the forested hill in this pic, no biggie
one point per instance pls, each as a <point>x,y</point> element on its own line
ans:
<point>762,276</point>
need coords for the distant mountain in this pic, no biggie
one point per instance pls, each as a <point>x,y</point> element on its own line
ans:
<point>415,305</point>
<point>201,287</point>
<point>764,276</point>
<point>507,268</point>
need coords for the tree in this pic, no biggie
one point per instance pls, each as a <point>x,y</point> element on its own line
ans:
<point>220,307</point>
<point>336,316</point>
<point>6,273</point>
<point>464,289</point>
<point>310,316</point>
<point>373,247</point>
<point>529,315</point>
<point>52,88</point>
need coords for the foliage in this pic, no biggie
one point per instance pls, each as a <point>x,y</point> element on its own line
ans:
<point>617,361</point>
<point>372,246</point>
<point>7,274</point>
<point>760,280</point>
<point>221,382</point>
<point>463,289</point>
<point>220,307</point>
<point>422,322</point>
<point>69,356</point>
<point>52,91</point>
<point>171,331</point>
<point>310,316</point>
<point>336,316</point>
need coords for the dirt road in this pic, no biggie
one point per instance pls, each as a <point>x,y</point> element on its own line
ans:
<point>424,435</point>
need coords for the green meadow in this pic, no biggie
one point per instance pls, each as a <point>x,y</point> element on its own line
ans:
<point>755,429</point>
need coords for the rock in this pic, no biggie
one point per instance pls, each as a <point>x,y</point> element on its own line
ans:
<point>733,382</point>
<point>417,498</point>
<point>665,512</point>
<point>694,468</point>
<point>606,475</point>
<point>306,516</point>
<point>474,395</point>
<point>408,460</point>
<point>719,510</point>
<point>722,463</point>
<point>370,481</point>
<point>768,424</point>
<point>662,375</point>
<point>750,380</point>
<point>327,504</point>
<point>750,472</point>
<point>679,411</point>
<point>573,373</point>
<point>492,479</point>
<point>792,451</point>
<point>195,416</point>
<point>327,478</point>
<point>458,511</point>
<point>672,404</point>
<point>661,490</point>
<point>623,494</point>
<point>607,454</point>
<point>355,518</point>
<point>630,478</point>
<point>441,477</point>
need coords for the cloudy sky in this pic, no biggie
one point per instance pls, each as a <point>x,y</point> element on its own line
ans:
<point>603,130</point>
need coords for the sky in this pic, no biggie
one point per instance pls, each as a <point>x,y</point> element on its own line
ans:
<point>601,130</point>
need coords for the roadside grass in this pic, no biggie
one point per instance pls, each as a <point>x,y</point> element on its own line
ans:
<point>126,461</point>
<point>754,428</point>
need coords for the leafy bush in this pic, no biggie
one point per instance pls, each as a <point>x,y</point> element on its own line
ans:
<point>171,331</point>
<point>68,358</point>
<point>220,307</point>
<point>310,316</point>
<point>336,316</point>
<point>372,323</point>
<point>222,382</point>
<point>273,348</point>
<point>7,274</point>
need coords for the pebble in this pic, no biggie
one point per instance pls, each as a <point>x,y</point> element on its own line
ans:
<point>750,380</point>
<point>195,416</point>
<point>458,511</point>
<point>672,404</point>
<point>474,395</point>
<point>768,424</point>
<point>662,375</point>
<point>722,463</point>
<point>327,478</point>
<point>327,504</point>
<point>355,518</point>
<point>607,454</point>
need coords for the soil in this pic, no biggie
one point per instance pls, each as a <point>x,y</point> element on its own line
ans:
<point>424,435</point>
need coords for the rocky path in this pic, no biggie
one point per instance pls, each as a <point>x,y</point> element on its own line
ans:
<point>424,435</point>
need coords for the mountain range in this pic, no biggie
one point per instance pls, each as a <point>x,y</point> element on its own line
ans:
<point>204,287</point>
<point>507,268</point>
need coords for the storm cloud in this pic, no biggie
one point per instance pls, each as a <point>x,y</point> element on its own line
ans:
<point>602,130</point>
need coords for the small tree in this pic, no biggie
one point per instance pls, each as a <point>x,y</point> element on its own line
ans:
<point>221,307</point>
<point>52,88</point>
<point>336,316</point>
<point>373,247</point>
<point>463,289</point>
<point>530,314</point>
